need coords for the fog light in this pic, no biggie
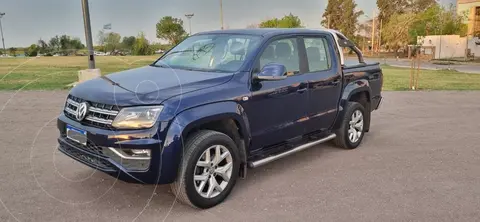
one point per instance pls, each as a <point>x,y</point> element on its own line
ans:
<point>132,154</point>
<point>140,152</point>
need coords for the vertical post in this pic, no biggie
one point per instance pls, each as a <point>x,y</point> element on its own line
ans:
<point>440,48</point>
<point>380,36</point>
<point>190,26</point>
<point>1,30</point>
<point>88,34</point>
<point>373,32</point>
<point>363,44</point>
<point>189,17</point>
<point>418,70</point>
<point>466,47</point>
<point>412,70</point>
<point>221,13</point>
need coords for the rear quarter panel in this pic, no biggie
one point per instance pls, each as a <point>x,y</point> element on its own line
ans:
<point>360,78</point>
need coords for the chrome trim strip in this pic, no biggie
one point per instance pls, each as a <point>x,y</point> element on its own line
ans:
<point>103,111</point>
<point>72,102</point>
<point>68,110</point>
<point>124,155</point>
<point>289,152</point>
<point>98,120</point>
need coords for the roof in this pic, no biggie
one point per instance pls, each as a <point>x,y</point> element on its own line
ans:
<point>265,31</point>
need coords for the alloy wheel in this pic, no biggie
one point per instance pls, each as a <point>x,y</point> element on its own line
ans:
<point>213,171</point>
<point>356,126</point>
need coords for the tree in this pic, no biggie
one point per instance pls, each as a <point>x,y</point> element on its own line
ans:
<point>13,51</point>
<point>76,44</point>
<point>112,41</point>
<point>395,32</point>
<point>43,47</point>
<point>342,15</point>
<point>390,7</point>
<point>270,23</point>
<point>141,46</point>
<point>288,21</point>
<point>437,20</point>
<point>54,44</point>
<point>69,45</point>
<point>421,5</point>
<point>128,42</point>
<point>171,29</point>
<point>101,38</point>
<point>32,50</point>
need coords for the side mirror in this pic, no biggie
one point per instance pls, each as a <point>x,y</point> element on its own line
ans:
<point>272,72</point>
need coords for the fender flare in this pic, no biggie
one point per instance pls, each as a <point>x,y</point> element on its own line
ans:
<point>188,119</point>
<point>358,86</point>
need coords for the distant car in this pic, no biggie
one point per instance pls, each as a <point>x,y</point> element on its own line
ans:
<point>218,103</point>
<point>99,53</point>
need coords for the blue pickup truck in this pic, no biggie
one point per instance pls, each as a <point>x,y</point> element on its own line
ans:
<point>218,103</point>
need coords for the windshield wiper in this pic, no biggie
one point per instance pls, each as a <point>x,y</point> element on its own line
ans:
<point>115,83</point>
<point>176,52</point>
<point>160,65</point>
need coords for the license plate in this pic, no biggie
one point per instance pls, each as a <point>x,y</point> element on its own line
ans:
<point>77,135</point>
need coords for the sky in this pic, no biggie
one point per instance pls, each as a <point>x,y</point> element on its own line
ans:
<point>27,21</point>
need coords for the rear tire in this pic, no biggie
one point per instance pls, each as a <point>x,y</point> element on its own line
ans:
<point>352,129</point>
<point>199,170</point>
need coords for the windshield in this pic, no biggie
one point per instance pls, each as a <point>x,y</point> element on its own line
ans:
<point>211,53</point>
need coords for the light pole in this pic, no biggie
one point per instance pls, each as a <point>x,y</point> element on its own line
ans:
<point>88,34</point>
<point>221,13</point>
<point>189,17</point>
<point>373,33</point>
<point>1,30</point>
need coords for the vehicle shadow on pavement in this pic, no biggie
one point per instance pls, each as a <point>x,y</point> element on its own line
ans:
<point>278,169</point>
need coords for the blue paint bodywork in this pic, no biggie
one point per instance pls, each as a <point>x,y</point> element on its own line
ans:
<point>266,113</point>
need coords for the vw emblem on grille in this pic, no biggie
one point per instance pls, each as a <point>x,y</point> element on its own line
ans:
<point>82,111</point>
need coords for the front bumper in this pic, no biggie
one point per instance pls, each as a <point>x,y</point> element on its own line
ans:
<point>97,154</point>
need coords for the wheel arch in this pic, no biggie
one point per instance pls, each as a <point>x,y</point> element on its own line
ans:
<point>226,117</point>
<point>357,91</point>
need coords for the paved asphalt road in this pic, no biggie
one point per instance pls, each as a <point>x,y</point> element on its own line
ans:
<point>420,162</point>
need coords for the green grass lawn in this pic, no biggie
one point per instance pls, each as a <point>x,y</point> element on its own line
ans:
<point>56,72</point>
<point>397,79</point>
<point>47,73</point>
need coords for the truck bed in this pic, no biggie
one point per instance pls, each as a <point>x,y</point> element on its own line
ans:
<point>371,72</point>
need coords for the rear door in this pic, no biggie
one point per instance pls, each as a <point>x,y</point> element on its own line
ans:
<point>325,81</point>
<point>277,109</point>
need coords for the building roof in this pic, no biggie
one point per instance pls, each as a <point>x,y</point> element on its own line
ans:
<point>467,1</point>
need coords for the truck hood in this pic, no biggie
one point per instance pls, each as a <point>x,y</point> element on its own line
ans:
<point>146,85</point>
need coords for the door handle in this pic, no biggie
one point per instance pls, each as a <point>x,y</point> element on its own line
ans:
<point>302,90</point>
<point>335,82</point>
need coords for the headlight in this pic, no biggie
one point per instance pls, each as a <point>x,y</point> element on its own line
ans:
<point>137,117</point>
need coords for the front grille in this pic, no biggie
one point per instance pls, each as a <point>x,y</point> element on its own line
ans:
<point>97,162</point>
<point>98,115</point>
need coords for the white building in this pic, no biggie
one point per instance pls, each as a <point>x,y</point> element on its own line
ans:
<point>450,46</point>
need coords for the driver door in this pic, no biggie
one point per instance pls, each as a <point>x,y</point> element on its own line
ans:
<point>277,110</point>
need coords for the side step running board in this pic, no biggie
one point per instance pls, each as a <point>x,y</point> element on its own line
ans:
<point>269,159</point>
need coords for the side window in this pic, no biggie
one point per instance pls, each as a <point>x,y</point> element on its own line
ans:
<point>317,54</point>
<point>283,51</point>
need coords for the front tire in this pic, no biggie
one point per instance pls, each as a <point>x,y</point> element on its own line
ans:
<point>208,171</point>
<point>352,128</point>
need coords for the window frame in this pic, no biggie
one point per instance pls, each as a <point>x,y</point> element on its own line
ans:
<point>303,65</point>
<point>329,50</point>
<point>327,53</point>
